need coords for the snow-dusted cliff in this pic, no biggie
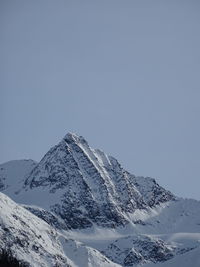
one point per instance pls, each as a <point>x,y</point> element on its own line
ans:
<point>98,209</point>
<point>83,186</point>
<point>35,243</point>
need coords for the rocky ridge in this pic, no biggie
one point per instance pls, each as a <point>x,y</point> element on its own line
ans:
<point>95,212</point>
<point>89,186</point>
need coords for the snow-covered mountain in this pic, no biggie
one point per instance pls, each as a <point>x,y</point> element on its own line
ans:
<point>83,186</point>
<point>35,243</point>
<point>95,205</point>
<point>13,172</point>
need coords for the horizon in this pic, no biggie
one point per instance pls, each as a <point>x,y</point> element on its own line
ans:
<point>125,76</point>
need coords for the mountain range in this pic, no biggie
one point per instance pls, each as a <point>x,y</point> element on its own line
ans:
<point>80,207</point>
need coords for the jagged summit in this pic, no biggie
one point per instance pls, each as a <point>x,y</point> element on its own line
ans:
<point>75,187</point>
<point>72,137</point>
<point>84,186</point>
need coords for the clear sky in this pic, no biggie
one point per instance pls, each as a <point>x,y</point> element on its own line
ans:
<point>124,74</point>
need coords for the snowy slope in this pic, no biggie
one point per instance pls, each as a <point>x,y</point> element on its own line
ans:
<point>13,172</point>
<point>29,238</point>
<point>33,241</point>
<point>84,186</point>
<point>182,215</point>
<point>128,247</point>
<point>103,215</point>
<point>189,259</point>
<point>85,256</point>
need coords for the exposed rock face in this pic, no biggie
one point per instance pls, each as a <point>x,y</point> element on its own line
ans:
<point>133,250</point>
<point>152,193</point>
<point>92,212</point>
<point>91,187</point>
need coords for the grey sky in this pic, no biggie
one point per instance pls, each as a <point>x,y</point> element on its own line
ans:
<point>124,74</point>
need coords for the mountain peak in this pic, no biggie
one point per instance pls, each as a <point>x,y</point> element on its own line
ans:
<point>74,138</point>
<point>86,186</point>
<point>77,187</point>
